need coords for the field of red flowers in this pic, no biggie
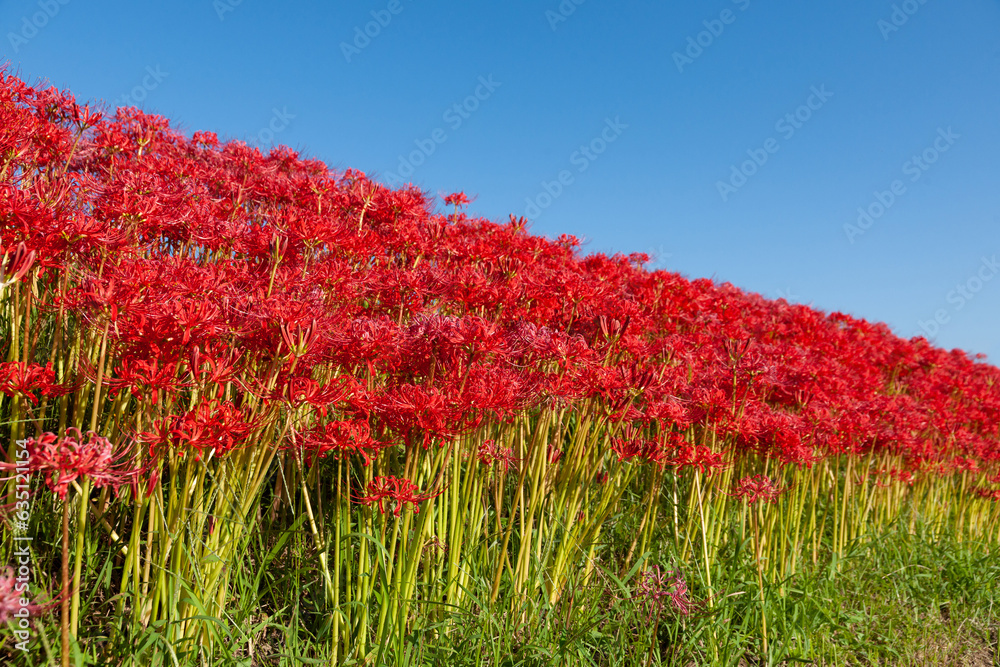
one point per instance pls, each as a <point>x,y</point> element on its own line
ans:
<point>206,347</point>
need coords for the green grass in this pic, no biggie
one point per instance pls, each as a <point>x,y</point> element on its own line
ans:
<point>897,598</point>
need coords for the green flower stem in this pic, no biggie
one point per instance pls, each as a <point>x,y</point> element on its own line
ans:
<point>65,596</point>
<point>81,529</point>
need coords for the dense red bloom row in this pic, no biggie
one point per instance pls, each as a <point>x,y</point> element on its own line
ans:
<point>266,281</point>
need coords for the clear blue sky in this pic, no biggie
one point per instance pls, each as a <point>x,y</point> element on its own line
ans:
<point>886,84</point>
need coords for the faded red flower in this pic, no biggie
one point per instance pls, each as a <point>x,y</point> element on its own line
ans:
<point>655,587</point>
<point>14,597</point>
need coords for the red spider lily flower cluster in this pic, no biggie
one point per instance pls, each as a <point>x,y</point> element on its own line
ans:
<point>244,285</point>
<point>756,488</point>
<point>657,587</point>
<point>344,438</point>
<point>18,378</point>
<point>213,426</point>
<point>13,598</point>
<point>384,489</point>
<point>491,453</point>
<point>456,199</point>
<point>63,460</point>
<point>988,494</point>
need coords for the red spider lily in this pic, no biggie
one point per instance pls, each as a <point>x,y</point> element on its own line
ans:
<point>651,451</point>
<point>988,494</point>
<point>213,252</point>
<point>63,460</point>
<point>222,366</point>
<point>342,437</point>
<point>756,488</point>
<point>214,425</point>
<point>18,378</point>
<point>658,451</point>
<point>15,264</point>
<point>456,199</point>
<point>364,340</point>
<point>632,445</point>
<point>195,318</point>
<point>14,600</point>
<point>383,489</point>
<point>413,409</point>
<point>695,456</point>
<point>493,391</point>
<point>612,328</point>
<point>140,375</point>
<point>899,476</point>
<point>628,448</point>
<point>490,452</point>
<point>298,390</point>
<point>218,426</point>
<point>655,587</point>
<point>299,338</point>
